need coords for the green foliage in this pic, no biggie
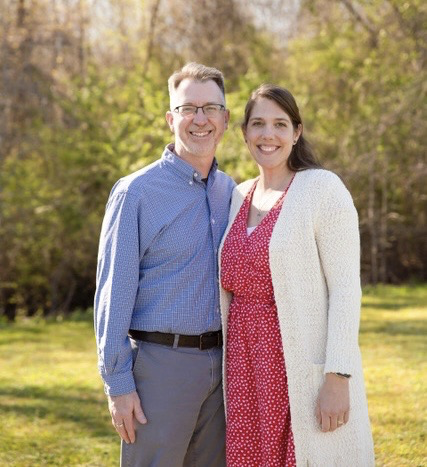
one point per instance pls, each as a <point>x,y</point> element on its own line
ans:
<point>233,155</point>
<point>358,76</point>
<point>53,199</point>
<point>360,83</point>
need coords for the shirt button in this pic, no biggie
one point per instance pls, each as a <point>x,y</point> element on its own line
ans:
<point>190,182</point>
<point>213,220</point>
<point>196,174</point>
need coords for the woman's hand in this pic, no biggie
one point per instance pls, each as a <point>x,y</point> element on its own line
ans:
<point>333,403</point>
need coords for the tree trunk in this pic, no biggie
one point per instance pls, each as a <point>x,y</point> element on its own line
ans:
<point>383,224</point>
<point>82,39</point>
<point>372,222</point>
<point>151,34</point>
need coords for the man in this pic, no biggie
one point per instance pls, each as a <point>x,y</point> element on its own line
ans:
<point>157,316</point>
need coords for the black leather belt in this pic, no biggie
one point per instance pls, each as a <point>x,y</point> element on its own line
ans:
<point>202,342</point>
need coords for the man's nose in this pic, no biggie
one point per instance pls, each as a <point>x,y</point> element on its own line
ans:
<point>199,117</point>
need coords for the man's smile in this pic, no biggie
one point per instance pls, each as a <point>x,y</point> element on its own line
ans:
<point>200,134</point>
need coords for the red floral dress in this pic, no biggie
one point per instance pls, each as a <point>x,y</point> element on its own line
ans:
<point>259,429</point>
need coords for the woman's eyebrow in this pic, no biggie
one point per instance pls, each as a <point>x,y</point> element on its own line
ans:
<point>281,119</point>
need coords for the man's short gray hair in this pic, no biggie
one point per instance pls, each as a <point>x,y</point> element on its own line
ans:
<point>197,72</point>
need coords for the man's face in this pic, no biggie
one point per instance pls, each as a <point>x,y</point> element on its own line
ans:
<point>197,136</point>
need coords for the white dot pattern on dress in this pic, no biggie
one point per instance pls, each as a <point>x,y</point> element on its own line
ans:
<point>259,429</point>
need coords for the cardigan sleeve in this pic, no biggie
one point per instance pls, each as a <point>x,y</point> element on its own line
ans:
<point>337,237</point>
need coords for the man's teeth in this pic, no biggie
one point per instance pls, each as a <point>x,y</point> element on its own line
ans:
<point>200,134</point>
<point>268,148</point>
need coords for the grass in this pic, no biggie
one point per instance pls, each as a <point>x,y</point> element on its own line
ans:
<point>394,347</point>
<point>53,411</point>
<point>52,406</point>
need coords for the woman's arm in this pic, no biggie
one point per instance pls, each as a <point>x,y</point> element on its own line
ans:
<point>337,236</point>
<point>338,243</point>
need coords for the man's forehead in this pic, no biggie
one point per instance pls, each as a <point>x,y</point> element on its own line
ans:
<point>190,90</point>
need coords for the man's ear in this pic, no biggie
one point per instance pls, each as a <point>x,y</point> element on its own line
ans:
<point>169,119</point>
<point>227,118</point>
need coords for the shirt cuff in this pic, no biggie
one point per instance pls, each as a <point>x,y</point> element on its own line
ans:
<point>119,384</point>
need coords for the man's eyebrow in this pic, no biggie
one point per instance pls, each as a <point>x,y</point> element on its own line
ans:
<point>207,103</point>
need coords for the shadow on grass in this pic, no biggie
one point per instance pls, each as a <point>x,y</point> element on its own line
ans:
<point>404,328</point>
<point>21,334</point>
<point>14,329</point>
<point>400,296</point>
<point>389,306</point>
<point>44,331</point>
<point>59,404</point>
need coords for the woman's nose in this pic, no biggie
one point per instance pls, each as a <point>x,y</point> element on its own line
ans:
<point>267,132</point>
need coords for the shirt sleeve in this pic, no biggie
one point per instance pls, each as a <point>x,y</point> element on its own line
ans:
<point>117,285</point>
<point>338,241</point>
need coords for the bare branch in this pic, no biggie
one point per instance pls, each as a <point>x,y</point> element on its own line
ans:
<point>363,20</point>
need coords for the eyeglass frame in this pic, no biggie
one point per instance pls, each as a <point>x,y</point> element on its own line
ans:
<point>196,109</point>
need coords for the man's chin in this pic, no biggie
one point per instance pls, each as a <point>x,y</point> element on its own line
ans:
<point>208,151</point>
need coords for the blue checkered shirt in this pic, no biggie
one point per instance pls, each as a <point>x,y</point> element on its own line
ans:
<point>157,260</point>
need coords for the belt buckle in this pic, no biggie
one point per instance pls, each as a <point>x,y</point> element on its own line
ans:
<point>209,334</point>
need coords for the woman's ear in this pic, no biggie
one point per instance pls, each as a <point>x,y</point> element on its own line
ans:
<point>244,133</point>
<point>297,133</point>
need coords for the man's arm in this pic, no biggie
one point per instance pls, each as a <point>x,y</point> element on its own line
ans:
<point>117,286</point>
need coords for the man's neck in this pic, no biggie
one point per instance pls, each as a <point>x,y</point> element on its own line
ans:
<point>202,165</point>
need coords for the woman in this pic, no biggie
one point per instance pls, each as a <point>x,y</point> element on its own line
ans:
<point>291,303</point>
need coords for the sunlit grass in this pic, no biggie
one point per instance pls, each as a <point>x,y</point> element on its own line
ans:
<point>52,406</point>
<point>394,346</point>
<point>53,410</point>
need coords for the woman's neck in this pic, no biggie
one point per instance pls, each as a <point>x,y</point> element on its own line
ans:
<point>275,179</point>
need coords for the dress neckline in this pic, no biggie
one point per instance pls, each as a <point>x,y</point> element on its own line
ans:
<point>248,201</point>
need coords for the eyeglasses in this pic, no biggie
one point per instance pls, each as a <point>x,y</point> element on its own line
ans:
<point>210,110</point>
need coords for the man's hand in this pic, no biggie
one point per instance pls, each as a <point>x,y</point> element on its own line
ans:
<point>123,409</point>
<point>333,403</point>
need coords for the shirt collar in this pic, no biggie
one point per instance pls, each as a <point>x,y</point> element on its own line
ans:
<point>183,168</point>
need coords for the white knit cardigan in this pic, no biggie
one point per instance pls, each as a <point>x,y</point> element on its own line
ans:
<point>314,261</point>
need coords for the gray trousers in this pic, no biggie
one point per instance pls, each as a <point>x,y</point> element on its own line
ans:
<point>181,395</point>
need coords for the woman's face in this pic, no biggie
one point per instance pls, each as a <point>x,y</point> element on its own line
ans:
<point>270,134</point>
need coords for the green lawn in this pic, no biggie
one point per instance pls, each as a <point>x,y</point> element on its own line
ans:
<point>393,339</point>
<point>53,411</point>
<point>52,406</point>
